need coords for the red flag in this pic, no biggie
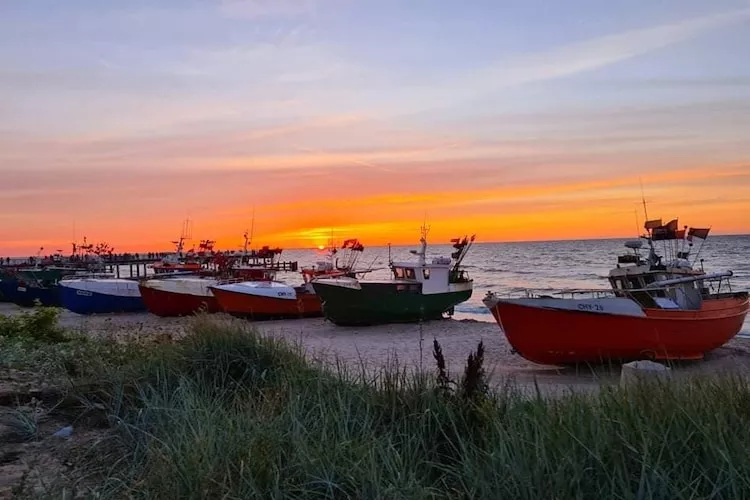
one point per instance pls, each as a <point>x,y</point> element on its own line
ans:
<point>680,234</point>
<point>701,233</point>
<point>671,225</point>
<point>652,224</point>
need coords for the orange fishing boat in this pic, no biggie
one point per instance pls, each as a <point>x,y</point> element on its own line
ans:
<point>273,299</point>
<point>654,310</point>
<point>180,261</point>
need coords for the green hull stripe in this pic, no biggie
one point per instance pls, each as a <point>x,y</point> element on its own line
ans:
<point>383,303</point>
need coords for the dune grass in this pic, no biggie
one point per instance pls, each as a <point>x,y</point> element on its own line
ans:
<point>228,413</point>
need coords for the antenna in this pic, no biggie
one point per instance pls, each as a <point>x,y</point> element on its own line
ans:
<point>252,225</point>
<point>637,224</point>
<point>643,198</point>
<point>703,242</point>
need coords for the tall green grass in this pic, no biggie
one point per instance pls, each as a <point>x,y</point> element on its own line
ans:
<point>230,414</point>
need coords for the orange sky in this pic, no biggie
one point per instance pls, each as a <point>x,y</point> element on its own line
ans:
<point>117,122</point>
<point>300,209</point>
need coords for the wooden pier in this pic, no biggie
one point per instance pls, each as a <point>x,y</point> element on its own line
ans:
<point>136,265</point>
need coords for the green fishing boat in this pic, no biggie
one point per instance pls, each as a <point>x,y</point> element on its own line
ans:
<point>417,291</point>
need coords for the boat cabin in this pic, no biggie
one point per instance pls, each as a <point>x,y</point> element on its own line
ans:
<point>643,280</point>
<point>434,277</point>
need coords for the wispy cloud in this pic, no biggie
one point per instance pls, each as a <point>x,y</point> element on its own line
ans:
<point>563,61</point>
<point>606,50</point>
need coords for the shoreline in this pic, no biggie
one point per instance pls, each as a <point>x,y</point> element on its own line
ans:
<point>374,347</point>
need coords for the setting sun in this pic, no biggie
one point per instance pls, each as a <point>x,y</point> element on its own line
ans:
<point>321,247</point>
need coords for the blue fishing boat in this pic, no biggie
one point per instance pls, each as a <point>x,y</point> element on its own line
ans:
<point>96,295</point>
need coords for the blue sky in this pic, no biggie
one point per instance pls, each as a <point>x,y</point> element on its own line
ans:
<point>536,90</point>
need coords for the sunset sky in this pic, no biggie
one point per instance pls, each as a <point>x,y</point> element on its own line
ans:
<point>512,119</point>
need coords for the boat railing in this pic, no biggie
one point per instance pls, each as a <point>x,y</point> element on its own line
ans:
<point>653,289</point>
<point>87,275</point>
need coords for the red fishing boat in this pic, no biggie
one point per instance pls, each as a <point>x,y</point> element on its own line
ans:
<point>182,296</point>
<point>180,261</point>
<point>654,310</point>
<point>274,299</point>
<point>179,296</point>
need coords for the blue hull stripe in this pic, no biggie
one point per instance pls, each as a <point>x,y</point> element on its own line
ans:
<point>86,302</point>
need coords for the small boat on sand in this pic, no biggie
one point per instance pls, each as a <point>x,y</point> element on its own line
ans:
<point>418,291</point>
<point>99,294</point>
<point>265,299</point>
<point>179,296</point>
<point>654,309</point>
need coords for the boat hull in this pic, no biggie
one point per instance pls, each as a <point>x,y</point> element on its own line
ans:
<point>92,302</point>
<point>169,303</point>
<point>262,307</point>
<point>381,303</point>
<point>544,333</point>
<point>29,296</point>
<point>8,289</point>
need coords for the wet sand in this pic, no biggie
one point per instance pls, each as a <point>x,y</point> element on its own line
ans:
<point>376,346</point>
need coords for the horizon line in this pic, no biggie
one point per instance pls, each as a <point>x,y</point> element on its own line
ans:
<point>410,244</point>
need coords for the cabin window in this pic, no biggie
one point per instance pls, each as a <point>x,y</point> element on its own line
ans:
<point>634,283</point>
<point>410,274</point>
<point>399,273</point>
<point>426,273</point>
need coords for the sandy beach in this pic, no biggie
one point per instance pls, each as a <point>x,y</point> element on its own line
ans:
<point>377,346</point>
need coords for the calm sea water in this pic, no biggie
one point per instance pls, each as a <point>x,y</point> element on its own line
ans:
<point>509,268</point>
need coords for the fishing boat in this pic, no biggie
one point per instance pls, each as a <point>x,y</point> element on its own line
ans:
<point>658,308</point>
<point>177,261</point>
<point>179,296</point>
<point>39,284</point>
<point>99,294</point>
<point>183,296</point>
<point>264,299</point>
<point>8,284</point>
<point>181,261</point>
<point>417,291</point>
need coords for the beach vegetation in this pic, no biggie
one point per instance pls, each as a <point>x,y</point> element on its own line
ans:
<point>229,413</point>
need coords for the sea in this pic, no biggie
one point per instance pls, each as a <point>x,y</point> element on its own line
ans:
<point>512,268</point>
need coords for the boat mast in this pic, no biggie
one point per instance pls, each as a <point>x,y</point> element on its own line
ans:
<point>703,242</point>
<point>425,229</point>
<point>652,251</point>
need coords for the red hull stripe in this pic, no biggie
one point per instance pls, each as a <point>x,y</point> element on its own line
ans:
<point>554,336</point>
<point>164,303</point>
<point>307,304</point>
